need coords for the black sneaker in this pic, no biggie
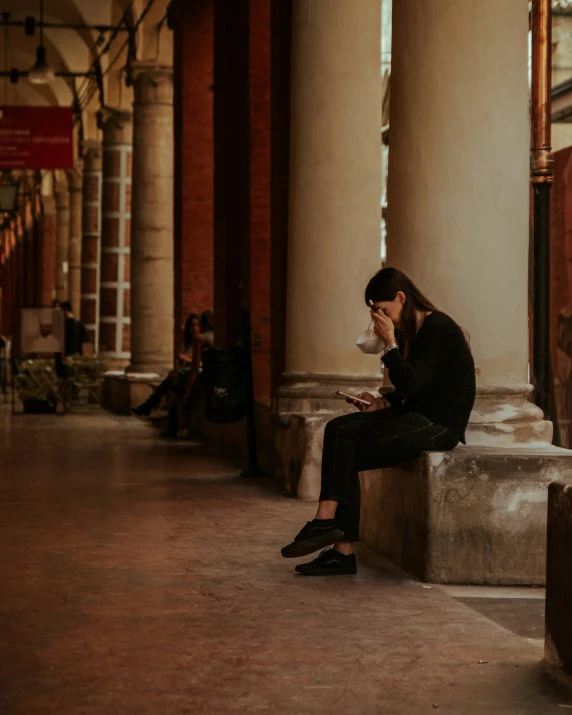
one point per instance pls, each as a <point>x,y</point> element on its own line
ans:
<point>313,537</point>
<point>329,563</point>
<point>141,411</point>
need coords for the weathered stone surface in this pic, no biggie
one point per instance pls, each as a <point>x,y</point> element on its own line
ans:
<point>471,516</point>
<point>558,644</point>
<point>121,392</point>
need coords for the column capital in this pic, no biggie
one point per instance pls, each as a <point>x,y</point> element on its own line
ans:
<point>116,124</point>
<point>61,192</point>
<point>92,154</point>
<point>90,147</point>
<point>152,82</point>
<point>48,205</point>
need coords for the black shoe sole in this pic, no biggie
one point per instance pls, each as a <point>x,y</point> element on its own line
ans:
<point>308,546</point>
<point>325,572</point>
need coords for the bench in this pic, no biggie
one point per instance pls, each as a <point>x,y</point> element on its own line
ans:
<point>476,515</point>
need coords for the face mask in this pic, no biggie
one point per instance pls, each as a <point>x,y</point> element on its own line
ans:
<point>370,343</point>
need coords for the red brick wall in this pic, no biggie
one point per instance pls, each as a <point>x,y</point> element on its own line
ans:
<point>281,25</point>
<point>260,199</point>
<point>232,168</point>
<point>193,25</point>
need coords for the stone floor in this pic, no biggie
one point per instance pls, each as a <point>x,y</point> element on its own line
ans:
<point>145,578</point>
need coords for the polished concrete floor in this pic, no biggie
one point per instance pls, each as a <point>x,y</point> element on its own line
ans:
<point>145,578</point>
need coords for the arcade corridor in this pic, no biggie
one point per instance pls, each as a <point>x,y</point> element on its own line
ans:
<point>145,578</point>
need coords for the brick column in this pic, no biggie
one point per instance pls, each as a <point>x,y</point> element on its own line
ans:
<point>75,181</point>
<point>115,320</point>
<point>193,25</point>
<point>62,239</point>
<point>91,238</point>
<point>152,209</point>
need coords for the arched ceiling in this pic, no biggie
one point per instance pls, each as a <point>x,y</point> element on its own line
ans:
<point>76,50</point>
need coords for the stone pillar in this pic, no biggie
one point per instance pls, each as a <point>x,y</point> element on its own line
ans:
<point>115,321</point>
<point>458,226</point>
<point>458,199</point>
<point>334,223</point>
<point>47,252</point>
<point>335,188</point>
<point>91,238</point>
<point>62,239</point>
<point>74,254</point>
<point>152,293</point>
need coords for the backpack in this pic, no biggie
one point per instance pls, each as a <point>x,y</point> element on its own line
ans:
<point>224,384</point>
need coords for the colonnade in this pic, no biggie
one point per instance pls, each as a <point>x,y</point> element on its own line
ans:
<point>457,217</point>
<point>107,233</point>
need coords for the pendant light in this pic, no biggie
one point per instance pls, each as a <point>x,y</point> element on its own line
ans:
<point>41,72</point>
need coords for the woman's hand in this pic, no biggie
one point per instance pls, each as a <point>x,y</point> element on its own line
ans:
<point>377,403</point>
<point>383,326</point>
<point>184,358</point>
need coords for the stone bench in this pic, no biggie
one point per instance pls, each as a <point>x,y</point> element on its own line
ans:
<point>558,645</point>
<point>476,515</point>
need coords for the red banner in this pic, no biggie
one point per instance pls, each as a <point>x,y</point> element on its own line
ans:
<point>36,138</point>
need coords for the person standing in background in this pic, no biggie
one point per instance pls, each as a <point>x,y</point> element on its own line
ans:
<point>76,334</point>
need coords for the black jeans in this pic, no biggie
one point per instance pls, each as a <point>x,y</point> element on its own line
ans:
<point>372,440</point>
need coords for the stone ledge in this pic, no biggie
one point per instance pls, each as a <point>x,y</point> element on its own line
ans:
<point>123,391</point>
<point>476,515</point>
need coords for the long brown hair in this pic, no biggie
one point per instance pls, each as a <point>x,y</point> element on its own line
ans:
<point>384,286</point>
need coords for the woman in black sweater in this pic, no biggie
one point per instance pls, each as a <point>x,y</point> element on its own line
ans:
<point>433,372</point>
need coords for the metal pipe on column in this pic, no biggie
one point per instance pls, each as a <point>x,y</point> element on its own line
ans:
<point>542,177</point>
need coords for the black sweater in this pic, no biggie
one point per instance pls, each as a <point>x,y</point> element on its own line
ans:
<point>437,380</point>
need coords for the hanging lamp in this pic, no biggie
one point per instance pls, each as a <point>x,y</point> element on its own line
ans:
<point>41,72</point>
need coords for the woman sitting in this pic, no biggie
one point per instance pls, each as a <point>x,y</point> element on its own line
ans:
<point>432,370</point>
<point>197,333</point>
<point>189,384</point>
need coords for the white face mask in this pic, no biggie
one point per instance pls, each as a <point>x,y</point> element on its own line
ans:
<point>370,343</point>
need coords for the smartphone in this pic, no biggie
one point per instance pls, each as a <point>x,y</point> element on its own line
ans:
<point>352,398</point>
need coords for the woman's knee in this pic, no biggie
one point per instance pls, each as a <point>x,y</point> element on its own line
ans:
<point>335,425</point>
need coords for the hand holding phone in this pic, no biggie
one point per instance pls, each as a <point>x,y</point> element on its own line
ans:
<point>352,398</point>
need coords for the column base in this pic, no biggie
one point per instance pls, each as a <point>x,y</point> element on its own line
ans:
<point>123,391</point>
<point>476,515</point>
<point>294,429</point>
<point>147,368</point>
<point>503,415</point>
<point>309,393</point>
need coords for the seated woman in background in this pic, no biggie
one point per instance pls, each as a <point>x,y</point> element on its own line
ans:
<point>189,383</point>
<point>197,331</point>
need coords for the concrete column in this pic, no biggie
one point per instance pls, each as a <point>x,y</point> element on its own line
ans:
<point>152,209</point>
<point>91,238</point>
<point>458,221</point>
<point>115,321</point>
<point>334,238</point>
<point>75,181</point>
<point>62,239</point>
<point>335,193</point>
<point>48,240</point>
